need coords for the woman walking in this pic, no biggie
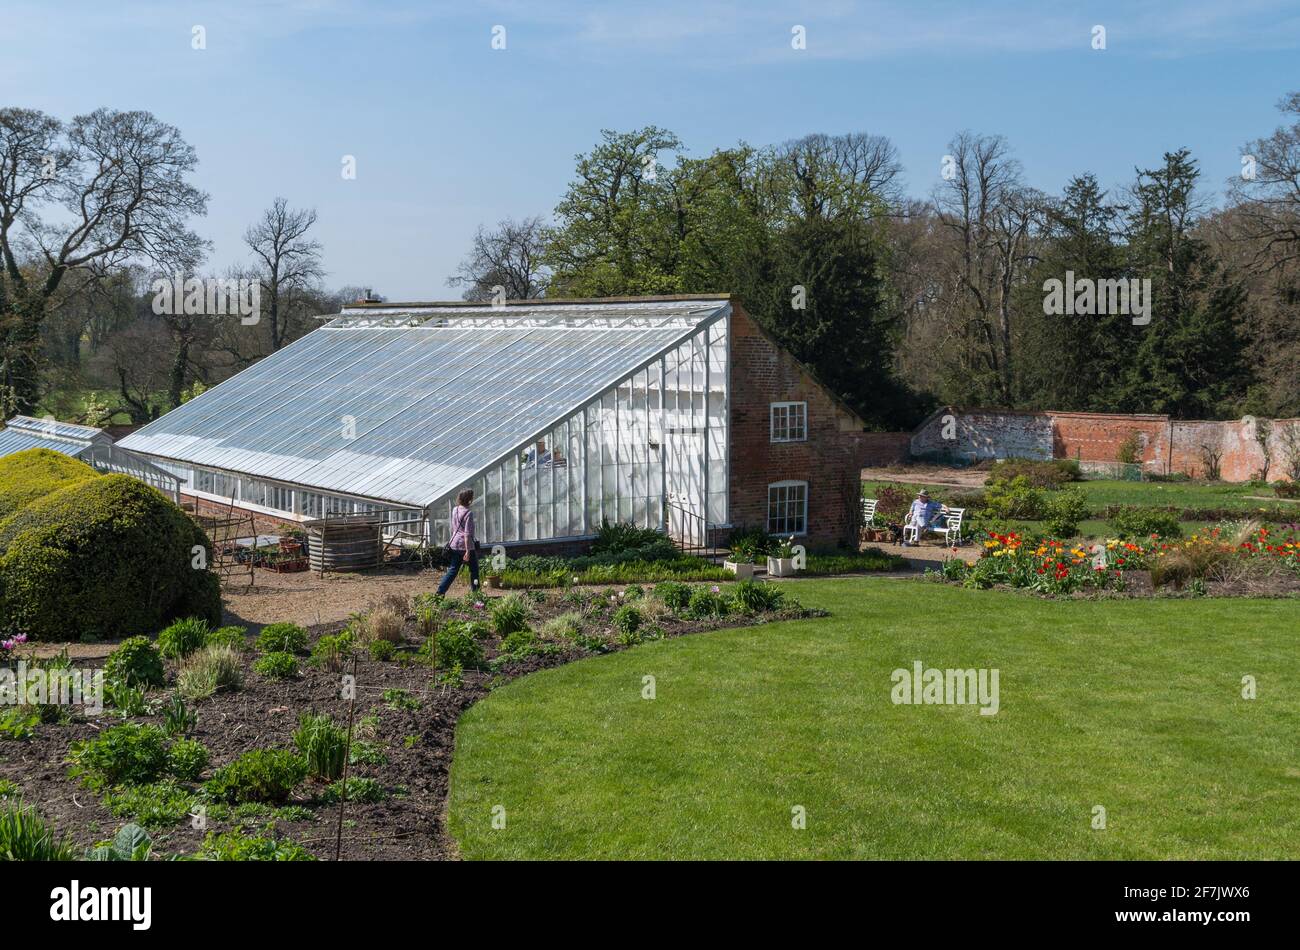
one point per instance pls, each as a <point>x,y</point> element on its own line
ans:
<point>463,545</point>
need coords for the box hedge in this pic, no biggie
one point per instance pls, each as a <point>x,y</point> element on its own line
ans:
<point>34,473</point>
<point>106,557</point>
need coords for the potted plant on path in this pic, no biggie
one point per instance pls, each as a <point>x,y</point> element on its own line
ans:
<point>744,552</point>
<point>780,559</point>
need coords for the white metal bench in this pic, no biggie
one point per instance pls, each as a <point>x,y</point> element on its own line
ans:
<point>950,528</point>
<point>868,512</point>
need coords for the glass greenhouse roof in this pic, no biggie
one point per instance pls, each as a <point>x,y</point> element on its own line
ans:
<point>405,403</point>
<point>24,432</point>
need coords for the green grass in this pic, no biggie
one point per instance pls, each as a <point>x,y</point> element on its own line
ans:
<point>1132,705</point>
<point>1103,492</point>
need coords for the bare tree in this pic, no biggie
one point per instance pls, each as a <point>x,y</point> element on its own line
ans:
<point>509,256</point>
<point>1268,199</point>
<point>992,217</point>
<point>287,263</point>
<point>121,181</point>
<point>835,175</point>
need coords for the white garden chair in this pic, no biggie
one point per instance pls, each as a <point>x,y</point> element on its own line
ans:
<point>949,529</point>
<point>868,512</point>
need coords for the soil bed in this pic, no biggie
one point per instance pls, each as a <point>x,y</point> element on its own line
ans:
<point>409,822</point>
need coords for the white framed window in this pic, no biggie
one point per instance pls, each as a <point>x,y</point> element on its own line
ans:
<point>787,508</point>
<point>789,421</point>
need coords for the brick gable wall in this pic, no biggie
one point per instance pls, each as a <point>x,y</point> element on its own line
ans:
<point>830,460</point>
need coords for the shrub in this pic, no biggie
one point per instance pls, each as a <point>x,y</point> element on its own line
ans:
<point>34,473</point>
<point>1015,498</point>
<point>1131,522</point>
<point>156,805</point>
<point>1286,489</point>
<point>129,754</point>
<point>892,503</point>
<point>756,596</point>
<point>25,836</point>
<point>1064,510</point>
<point>182,638</point>
<point>633,592</point>
<point>455,644</point>
<point>282,638</point>
<point>615,537</point>
<point>674,594</point>
<point>262,775</point>
<point>233,637</point>
<point>329,652</point>
<point>1127,454</point>
<point>186,759</point>
<point>627,620</point>
<point>706,603</point>
<point>400,699</point>
<point>277,666</point>
<point>519,643</point>
<point>565,626</point>
<point>323,746</point>
<point>206,671</point>
<point>382,650</point>
<point>1046,473</point>
<point>237,846</point>
<point>364,790</point>
<point>19,724</point>
<point>136,662</point>
<point>109,555</point>
<point>509,613</point>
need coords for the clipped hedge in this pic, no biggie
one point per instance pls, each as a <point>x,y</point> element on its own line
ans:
<point>32,474</point>
<point>107,557</point>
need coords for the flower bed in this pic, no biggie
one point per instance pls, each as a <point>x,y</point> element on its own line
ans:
<point>1052,566</point>
<point>249,734</point>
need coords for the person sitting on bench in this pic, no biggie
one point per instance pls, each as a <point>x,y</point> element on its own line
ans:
<point>924,515</point>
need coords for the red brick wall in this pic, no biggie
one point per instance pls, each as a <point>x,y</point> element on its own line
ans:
<point>886,448</point>
<point>1164,445</point>
<point>1097,437</point>
<point>829,461</point>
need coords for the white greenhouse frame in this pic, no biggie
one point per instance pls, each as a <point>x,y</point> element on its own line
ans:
<point>436,386</point>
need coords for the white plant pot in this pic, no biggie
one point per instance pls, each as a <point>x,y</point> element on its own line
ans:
<point>743,571</point>
<point>780,566</point>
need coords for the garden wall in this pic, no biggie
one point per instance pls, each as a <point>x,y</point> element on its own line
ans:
<point>1164,445</point>
<point>968,435</point>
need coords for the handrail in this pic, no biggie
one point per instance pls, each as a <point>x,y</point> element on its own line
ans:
<point>698,535</point>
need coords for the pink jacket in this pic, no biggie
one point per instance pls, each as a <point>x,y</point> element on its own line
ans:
<point>462,529</point>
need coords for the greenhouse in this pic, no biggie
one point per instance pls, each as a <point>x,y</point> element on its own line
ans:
<point>560,415</point>
<point>88,444</point>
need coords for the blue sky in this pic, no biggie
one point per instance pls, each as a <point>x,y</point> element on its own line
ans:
<point>448,133</point>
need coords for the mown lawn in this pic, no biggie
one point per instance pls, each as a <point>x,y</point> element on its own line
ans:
<point>1104,492</point>
<point>1132,705</point>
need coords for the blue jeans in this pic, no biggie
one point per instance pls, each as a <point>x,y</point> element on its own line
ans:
<point>457,559</point>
